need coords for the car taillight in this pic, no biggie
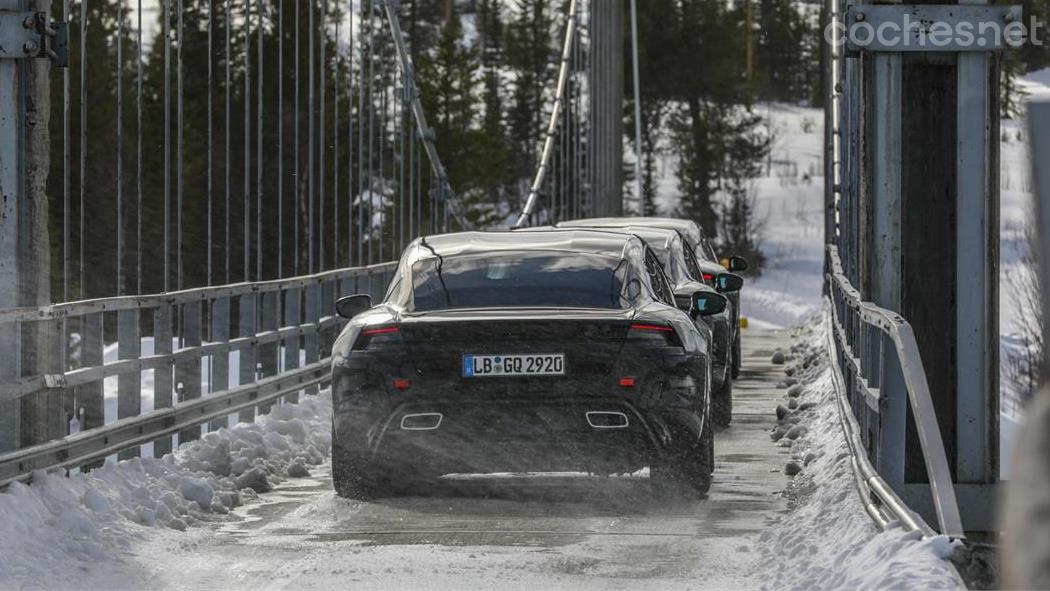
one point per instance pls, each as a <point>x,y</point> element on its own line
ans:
<point>377,331</point>
<point>401,384</point>
<point>627,382</point>
<point>709,278</point>
<point>663,334</point>
<point>653,327</point>
<point>377,336</point>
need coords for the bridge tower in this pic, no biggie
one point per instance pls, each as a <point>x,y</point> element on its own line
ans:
<point>606,106</point>
<point>918,227</point>
<point>24,243</point>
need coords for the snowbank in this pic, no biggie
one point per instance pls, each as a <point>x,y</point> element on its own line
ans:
<point>828,541</point>
<point>62,532</point>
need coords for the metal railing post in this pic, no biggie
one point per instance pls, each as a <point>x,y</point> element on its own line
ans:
<point>188,372</point>
<point>312,338</point>
<point>268,353</point>
<point>129,385</point>
<point>246,329</point>
<point>162,385</point>
<point>219,367</point>
<point>292,344</point>
<point>90,395</point>
<point>893,416</point>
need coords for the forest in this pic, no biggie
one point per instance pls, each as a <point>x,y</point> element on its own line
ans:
<point>215,115</point>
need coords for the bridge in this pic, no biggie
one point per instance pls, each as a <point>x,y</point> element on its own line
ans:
<point>315,200</point>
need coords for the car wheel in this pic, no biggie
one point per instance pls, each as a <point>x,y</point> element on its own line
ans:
<point>353,475</point>
<point>686,469</point>
<point>722,403</point>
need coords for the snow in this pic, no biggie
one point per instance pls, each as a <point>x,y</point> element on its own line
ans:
<point>789,211</point>
<point>828,541</point>
<point>82,530</point>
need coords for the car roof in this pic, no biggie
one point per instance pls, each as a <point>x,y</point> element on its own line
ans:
<point>690,229</point>
<point>605,243</point>
<point>653,235</point>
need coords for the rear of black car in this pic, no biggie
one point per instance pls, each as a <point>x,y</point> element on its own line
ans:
<point>456,381</point>
<point>609,390</point>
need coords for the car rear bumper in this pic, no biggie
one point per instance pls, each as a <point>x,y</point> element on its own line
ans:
<point>586,434</point>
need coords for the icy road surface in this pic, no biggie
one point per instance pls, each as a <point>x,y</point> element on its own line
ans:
<point>516,533</point>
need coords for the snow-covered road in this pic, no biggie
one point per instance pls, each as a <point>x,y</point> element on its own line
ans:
<point>188,522</point>
<point>537,533</point>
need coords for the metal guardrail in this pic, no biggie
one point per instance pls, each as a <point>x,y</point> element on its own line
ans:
<point>277,323</point>
<point>877,363</point>
<point>96,444</point>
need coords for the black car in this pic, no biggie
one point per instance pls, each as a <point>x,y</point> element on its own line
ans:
<point>705,256</point>
<point>522,352</point>
<point>683,271</point>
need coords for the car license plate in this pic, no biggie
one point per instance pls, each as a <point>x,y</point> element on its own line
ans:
<point>537,364</point>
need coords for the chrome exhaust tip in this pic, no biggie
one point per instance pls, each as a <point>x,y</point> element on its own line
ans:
<point>604,419</point>
<point>423,421</point>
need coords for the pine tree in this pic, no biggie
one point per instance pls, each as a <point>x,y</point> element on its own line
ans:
<point>745,149</point>
<point>450,85</point>
<point>496,170</point>
<point>530,56</point>
<point>97,181</point>
<point>652,121</point>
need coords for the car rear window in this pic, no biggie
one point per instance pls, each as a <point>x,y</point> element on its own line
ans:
<point>517,279</point>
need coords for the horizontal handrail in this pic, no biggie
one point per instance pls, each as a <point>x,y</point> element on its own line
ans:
<point>279,319</point>
<point>920,401</point>
<point>144,302</point>
<point>100,442</point>
<point>868,480</point>
<point>93,373</point>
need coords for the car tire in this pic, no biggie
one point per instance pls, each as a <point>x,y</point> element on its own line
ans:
<point>353,475</point>
<point>722,403</point>
<point>686,470</point>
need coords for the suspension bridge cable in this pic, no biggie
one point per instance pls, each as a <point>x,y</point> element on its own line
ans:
<point>637,107</point>
<point>322,120</point>
<point>552,125</point>
<point>226,162</point>
<point>443,190</point>
<point>259,170</point>
<point>280,139</point>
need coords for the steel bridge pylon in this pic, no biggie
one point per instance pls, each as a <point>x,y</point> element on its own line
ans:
<point>912,197</point>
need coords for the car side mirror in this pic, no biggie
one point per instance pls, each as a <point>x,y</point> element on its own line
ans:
<point>726,282</point>
<point>737,264</point>
<point>707,303</point>
<point>352,305</point>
